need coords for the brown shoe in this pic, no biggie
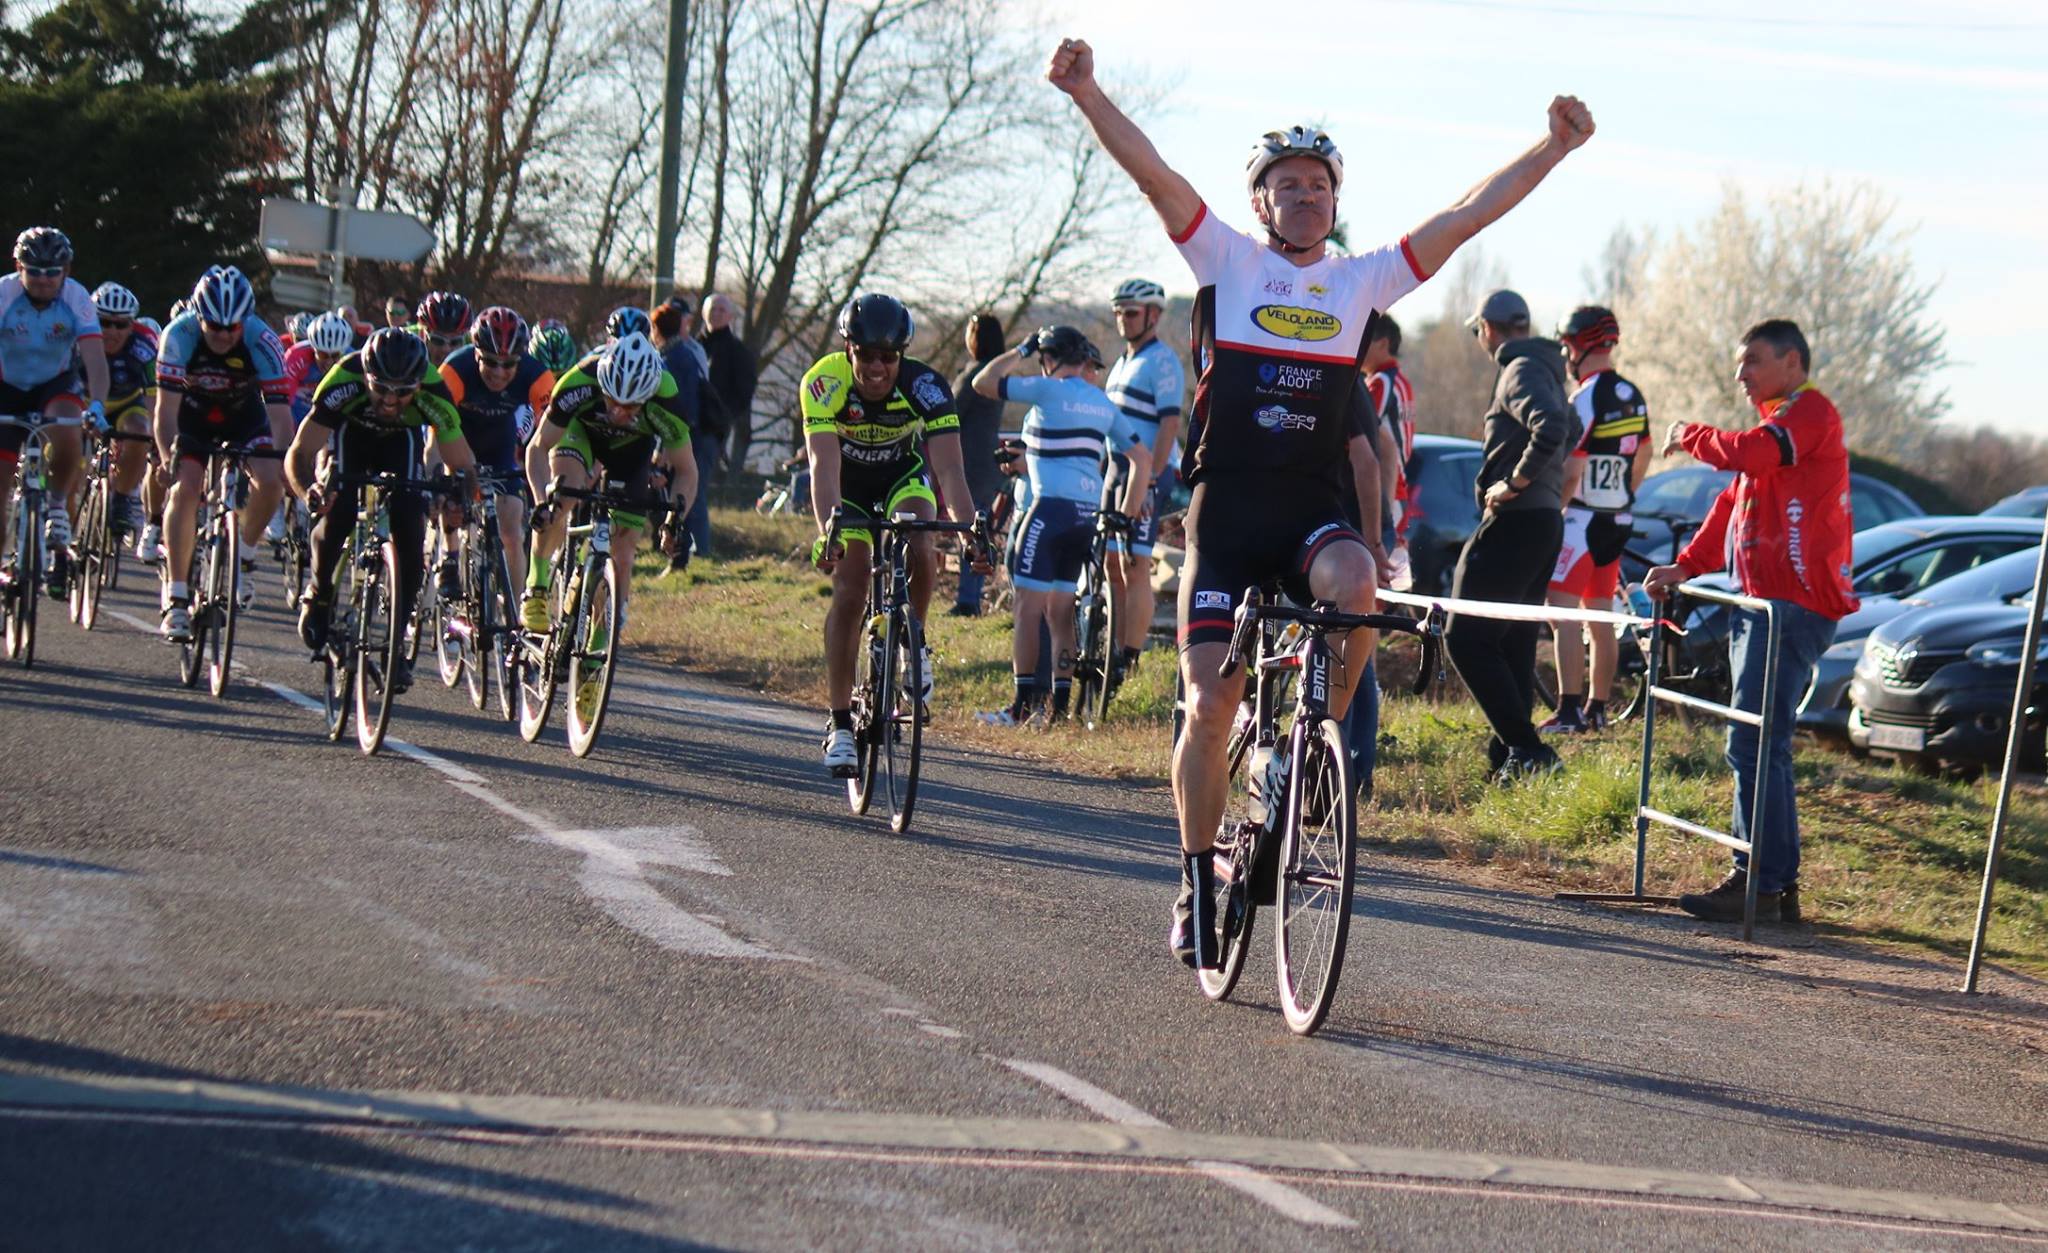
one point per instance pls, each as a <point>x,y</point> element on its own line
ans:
<point>1724,902</point>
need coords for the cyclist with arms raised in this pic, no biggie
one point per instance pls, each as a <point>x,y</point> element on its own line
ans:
<point>1288,321</point>
<point>220,378</point>
<point>864,409</point>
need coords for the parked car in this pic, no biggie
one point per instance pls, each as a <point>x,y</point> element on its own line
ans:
<point>1671,500</point>
<point>2028,502</point>
<point>1934,688</point>
<point>1825,706</point>
<point>1443,513</point>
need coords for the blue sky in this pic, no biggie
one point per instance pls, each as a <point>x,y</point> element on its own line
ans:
<point>1943,107</point>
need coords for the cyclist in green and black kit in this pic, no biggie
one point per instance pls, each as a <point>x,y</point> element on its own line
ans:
<point>612,416</point>
<point>386,401</point>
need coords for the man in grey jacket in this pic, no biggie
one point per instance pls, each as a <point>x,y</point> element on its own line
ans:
<point>1530,431</point>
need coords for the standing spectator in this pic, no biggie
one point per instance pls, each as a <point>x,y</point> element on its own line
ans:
<point>1786,521</point>
<point>1600,486</point>
<point>1529,430</point>
<point>1393,398</point>
<point>680,356</point>
<point>397,312</point>
<point>731,372</point>
<point>1146,385</point>
<point>981,418</point>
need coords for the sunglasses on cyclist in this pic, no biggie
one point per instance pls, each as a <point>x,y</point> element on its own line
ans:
<point>445,341</point>
<point>219,328</point>
<point>877,356</point>
<point>384,388</point>
<point>116,324</point>
<point>499,363</point>
<point>43,271</point>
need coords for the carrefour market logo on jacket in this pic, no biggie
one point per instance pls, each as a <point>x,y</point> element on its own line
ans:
<point>1295,322</point>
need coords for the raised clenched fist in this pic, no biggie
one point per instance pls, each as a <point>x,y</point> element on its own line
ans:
<point>1571,122</point>
<point>1072,66</point>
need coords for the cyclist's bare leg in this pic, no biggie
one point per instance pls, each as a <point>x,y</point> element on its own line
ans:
<point>1059,617</point>
<point>1606,654</point>
<point>181,517</point>
<point>1200,785</point>
<point>131,457</point>
<point>625,542</point>
<point>66,456</point>
<point>266,489</point>
<point>7,473</point>
<point>1024,638</point>
<point>512,529</point>
<point>924,560</point>
<point>1344,573</point>
<point>1569,646</point>
<point>1138,605</point>
<point>567,470</point>
<point>843,621</point>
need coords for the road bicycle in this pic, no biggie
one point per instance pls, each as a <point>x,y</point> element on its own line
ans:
<point>1290,825</point>
<point>888,684</point>
<point>478,631</point>
<point>216,573</point>
<point>24,572</point>
<point>295,551</point>
<point>1098,618</point>
<point>365,637</point>
<point>581,646</point>
<point>96,537</point>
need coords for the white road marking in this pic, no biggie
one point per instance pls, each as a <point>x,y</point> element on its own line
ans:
<point>1048,1142</point>
<point>1297,1205</point>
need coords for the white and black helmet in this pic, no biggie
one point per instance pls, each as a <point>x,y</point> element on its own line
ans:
<point>331,335</point>
<point>630,370</point>
<point>1295,141</point>
<point>223,296</point>
<point>1139,291</point>
<point>115,301</point>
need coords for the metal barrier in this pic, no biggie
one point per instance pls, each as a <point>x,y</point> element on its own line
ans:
<point>1762,721</point>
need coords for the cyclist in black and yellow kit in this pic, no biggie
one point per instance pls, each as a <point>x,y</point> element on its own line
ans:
<point>611,416</point>
<point>864,410</point>
<point>131,393</point>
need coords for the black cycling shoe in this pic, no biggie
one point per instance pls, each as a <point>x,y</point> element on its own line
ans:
<point>313,616</point>
<point>401,676</point>
<point>449,581</point>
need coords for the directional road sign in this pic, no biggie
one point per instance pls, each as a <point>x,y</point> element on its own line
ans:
<point>302,291</point>
<point>296,226</point>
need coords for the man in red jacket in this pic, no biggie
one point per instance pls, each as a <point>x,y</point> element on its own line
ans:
<point>1783,528</point>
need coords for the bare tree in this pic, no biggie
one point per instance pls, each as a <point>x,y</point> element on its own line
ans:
<point>1453,376</point>
<point>1828,257</point>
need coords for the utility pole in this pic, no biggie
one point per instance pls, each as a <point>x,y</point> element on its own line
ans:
<point>668,207</point>
<point>343,196</point>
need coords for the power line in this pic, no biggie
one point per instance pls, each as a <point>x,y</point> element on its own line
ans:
<point>1730,19</point>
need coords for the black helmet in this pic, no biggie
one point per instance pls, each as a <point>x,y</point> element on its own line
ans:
<point>395,355</point>
<point>876,321</point>
<point>1062,345</point>
<point>627,320</point>
<point>42,246</point>
<point>1589,328</point>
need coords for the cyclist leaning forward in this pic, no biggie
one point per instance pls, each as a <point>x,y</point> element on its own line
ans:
<point>1288,321</point>
<point>220,378</point>
<point>864,409</point>
<point>500,389</point>
<point>131,390</point>
<point>379,406</point>
<point>612,416</point>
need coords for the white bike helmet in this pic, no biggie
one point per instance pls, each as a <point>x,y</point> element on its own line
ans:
<point>331,334</point>
<point>1139,291</point>
<point>223,296</point>
<point>1295,141</point>
<point>115,301</point>
<point>630,370</point>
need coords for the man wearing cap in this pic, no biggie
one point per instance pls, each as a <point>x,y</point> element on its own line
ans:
<point>1529,433</point>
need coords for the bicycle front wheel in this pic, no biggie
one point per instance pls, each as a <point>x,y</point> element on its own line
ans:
<point>380,648</point>
<point>473,639</point>
<point>500,640</point>
<point>593,654</point>
<point>903,719</point>
<point>1234,904</point>
<point>1313,895</point>
<point>192,653</point>
<point>23,593</point>
<point>89,546</point>
<point>226,607</point>
<point>338,658</point>
<point>1091,657</point>
<point>870,720</point>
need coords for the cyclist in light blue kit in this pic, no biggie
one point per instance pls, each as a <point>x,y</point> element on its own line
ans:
<point>1146,383</point>
<point>1063,438</point>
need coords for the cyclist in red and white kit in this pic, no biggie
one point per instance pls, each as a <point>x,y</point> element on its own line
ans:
<point>1271,404</point>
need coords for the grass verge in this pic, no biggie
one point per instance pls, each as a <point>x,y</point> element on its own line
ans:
<point>1886,855</point>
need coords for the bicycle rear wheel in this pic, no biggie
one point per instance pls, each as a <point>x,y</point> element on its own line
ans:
<point>903,725</point>
<point>90,546</point>
<point>1091,658</point>
<point>593,654</point>
<point>501,635</point>
<point>474,639</point>
<point>539,661</point>
<point>870,723</point>
<point>1313,896</point>
<point>380,647</point>
<point>1234,905</point>
<point>192,653</point>
<point>298,547</point>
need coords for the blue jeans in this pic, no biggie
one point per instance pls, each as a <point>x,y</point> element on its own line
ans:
<point>698,521</point>
<point>970,589</point>
<point>1362,725</point>
<point>1803,636</point>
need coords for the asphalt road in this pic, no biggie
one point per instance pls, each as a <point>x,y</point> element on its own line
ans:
<point>257,991</point>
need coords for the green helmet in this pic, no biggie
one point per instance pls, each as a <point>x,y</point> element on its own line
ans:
<point>555,348</point>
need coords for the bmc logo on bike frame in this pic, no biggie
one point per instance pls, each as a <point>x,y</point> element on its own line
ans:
<point>1295,322</point>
